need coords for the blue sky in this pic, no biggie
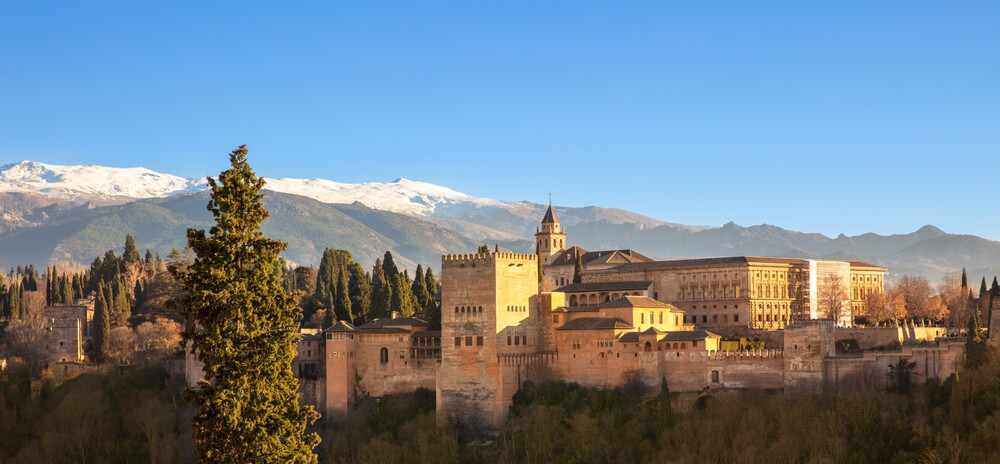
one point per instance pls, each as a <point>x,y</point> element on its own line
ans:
<point>816,116</point>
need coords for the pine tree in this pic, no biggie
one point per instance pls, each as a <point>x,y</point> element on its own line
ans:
<point>578,268</point>
<point>245,333</point>
<point>131,254</point>
<point>360,291</point>
<point>102,323</point>
<point>342,306</point>
<point>381,291</point>
<point>419,289</point>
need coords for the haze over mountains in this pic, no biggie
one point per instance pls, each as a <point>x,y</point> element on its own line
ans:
<point>59,214</point>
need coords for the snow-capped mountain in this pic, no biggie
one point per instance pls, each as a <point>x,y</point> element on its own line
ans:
<point>108,184</point>
<point>93,183</point>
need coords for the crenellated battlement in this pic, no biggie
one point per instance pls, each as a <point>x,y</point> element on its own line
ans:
<point>485,258</point>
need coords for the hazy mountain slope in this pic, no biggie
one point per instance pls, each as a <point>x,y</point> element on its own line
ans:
<point>47,214</point>
<point>160,224</point>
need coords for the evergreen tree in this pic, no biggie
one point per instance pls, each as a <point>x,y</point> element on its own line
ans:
<point>342,306</point>
<point>131,254</point>
<point>137,294</point>
<point>982,288</point>
<point>381,291</point>
<point>483,250</point>
<point>664,405</point>
<point>389,266</point>
<point>149,259</point>
<point>122,309</point>
<point>419,289</point>
<point>245,333</point>
<point>32,275</point>
<point>578,268</point>
<point>4,310</point>
<point>360,291</point>
<point>48,287</point>
<point>995,289</point>
<point>432,287</point>
<point>66,290</point>
<point>78,287</point>
<point>102,324</point>
<point>402,297</point>
<point>965,279</point>
<point>975,344</point>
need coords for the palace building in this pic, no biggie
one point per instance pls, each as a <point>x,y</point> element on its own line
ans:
<point>507,318</point>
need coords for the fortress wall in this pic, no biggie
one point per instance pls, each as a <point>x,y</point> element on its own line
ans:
<point>931,362</point>
<point>881,336</point>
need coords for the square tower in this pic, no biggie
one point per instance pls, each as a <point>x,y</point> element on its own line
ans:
<point>488,310</point>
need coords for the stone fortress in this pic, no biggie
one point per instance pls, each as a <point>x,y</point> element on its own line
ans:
<point>509,317</point>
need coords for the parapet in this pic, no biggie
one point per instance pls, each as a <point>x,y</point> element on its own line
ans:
<point>513,359</point>
<point>476,258</point>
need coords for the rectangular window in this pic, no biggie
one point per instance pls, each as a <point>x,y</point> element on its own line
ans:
<point>736,317</point>
<point>704,318</point>
<point>479,341</point>
<point>643,318</point>
<point>458,341</point>
<point>402,354</point>
<point>508,340</point>
<point>517,340</point>
<point>468,341</point>
<point>524,339</point>
<point>555,318</point>
<point>661,317</point>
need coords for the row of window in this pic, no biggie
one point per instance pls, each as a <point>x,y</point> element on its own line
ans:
<point>577,344</point>
<point>468,309</point>
<point>516,308</point>
<point>595,299</point>
<point>468,341</point>
<point>715,318</point>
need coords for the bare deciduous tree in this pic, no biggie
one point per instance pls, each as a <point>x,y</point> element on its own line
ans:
<point>833,296</point>
<point>157,339</point>
<point>121,345</point>
<point>956,299</point>
<point>25,338</point>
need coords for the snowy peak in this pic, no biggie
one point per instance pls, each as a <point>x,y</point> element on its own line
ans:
<point>120,185</point>
<point>90,182</point>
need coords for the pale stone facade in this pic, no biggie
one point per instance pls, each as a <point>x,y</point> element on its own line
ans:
<point>631,319</point>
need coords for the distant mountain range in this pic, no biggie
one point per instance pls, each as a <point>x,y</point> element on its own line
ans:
<point>59,214</point>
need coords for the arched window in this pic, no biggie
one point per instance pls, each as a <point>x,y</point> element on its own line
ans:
<point>648,347</point>
<point>572,300</point>
<point>384,355</point>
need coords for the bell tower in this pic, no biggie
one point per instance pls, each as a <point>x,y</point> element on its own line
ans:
<point>550,238</point>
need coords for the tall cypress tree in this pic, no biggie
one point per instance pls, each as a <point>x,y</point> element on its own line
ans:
<point>389,266</point>
<point>342,305</point>
<point>432,287</point>
<point>995,289</point>
<point>48,286</point>
<point>66,290</point>
<point>102,324</point>
<point>245,333</point>
<point>419,289</point>
<point>402,297</point>
<point>131,254</point>
<point>982,288</point>
<point>360,290</point>
<point>381,291</point>
<point>965,280</point>
<point>578,267</point>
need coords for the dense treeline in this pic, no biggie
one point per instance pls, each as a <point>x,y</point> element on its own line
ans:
<point>341,289</point>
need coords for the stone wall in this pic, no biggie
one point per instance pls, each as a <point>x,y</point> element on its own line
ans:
<point>870,337</point>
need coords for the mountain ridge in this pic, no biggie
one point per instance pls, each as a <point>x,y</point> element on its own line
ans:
<point>49,213</point>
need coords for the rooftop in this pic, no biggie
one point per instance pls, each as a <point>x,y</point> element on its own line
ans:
<point>631,301</point>
<point>595,323</point>
<point>605,286</point>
